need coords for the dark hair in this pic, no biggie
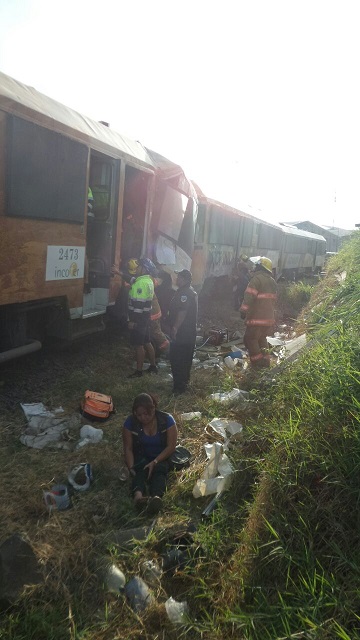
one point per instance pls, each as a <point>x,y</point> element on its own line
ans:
<point>166,278</point>
<point>145,400</point>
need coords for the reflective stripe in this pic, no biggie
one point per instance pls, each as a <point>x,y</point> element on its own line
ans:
<point>270,296</point>
<point>137,310</point>
<point>261,323</point>
<point>259,356</point>
<point>156,316</point>
<point>164,345</point>
<point>253,292</point>
<point>244,307</point>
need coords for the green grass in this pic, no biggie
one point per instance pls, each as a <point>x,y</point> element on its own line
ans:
<point>280,556</point>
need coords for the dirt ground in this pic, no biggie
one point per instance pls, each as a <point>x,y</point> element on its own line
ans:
<point>64,542</point>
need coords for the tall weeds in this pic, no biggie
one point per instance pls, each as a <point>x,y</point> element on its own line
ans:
<point>296,568</point>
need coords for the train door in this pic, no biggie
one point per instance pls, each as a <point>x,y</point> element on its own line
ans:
<point>134,229</point>
<point>134,218</point>
<point>100,232</point>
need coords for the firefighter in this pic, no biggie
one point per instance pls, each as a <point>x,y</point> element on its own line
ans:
<point>158,338</point>
<point>257,310</point>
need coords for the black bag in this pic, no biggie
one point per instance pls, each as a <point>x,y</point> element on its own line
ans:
<point>180,459</point>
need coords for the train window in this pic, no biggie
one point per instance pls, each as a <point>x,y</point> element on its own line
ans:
<point>101,173</point>
<point>200,224</point>
<point>173,203</point>
<point>295,244</point>
<point>46,175</point>
<point>269,238</point>
<point>186,235</point>
<point>247,228</point>
<point>224,227</point>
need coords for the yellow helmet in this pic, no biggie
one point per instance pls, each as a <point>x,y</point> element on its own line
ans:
<point>132,266</point>
<point>266,263</point>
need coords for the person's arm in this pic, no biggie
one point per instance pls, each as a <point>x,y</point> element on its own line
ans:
<point>250,296</point>
<point>171,439</point>
<point>180,317</point>
<point>128,448</point>
<point>115,270</point>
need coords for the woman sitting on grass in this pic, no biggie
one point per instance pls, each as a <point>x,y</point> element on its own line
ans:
<point>149,437</point>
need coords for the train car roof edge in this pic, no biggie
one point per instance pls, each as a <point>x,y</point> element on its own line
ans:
<point>21,100</point>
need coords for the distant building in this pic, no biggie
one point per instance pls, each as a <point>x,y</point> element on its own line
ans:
<point>333,235</point>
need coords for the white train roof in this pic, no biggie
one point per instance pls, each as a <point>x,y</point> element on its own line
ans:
<point>300,232</point>
<point>24,101</point>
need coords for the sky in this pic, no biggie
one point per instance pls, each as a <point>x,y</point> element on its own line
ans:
<point>257,100</point>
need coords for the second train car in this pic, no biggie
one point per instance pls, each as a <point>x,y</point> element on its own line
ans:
<point>223,233</point>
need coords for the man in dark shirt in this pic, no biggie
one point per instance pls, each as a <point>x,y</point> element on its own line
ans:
<point>182,318</point>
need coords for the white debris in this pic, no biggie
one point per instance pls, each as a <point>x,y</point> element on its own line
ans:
<point>191,415</point>
<point>217,475</point>
<point>229,396</point>
<point>89,435</point>
<point>177,611</point>
<point>231,362</point>
<point>223,425</point>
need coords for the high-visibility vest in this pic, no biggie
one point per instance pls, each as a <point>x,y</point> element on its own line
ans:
<point>140,298</point>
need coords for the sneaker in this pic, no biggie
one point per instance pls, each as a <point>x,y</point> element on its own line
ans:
<point>152,369</point>
<point>136,374</point>
<point>154,506</point>
<point>141,504</point>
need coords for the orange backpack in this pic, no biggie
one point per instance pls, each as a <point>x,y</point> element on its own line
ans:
<point>96,406</point>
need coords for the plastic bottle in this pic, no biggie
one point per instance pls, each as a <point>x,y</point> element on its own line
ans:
<point>138,594</point>
<point>177,611</point>
<point>151,571</point>
<point>230,362</point>
<point>115,579</point>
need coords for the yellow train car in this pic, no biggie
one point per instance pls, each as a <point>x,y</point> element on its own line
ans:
<point>76,197</point>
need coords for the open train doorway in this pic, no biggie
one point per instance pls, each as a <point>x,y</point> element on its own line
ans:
<point>134,218</point>
<point>134,230</point>
<point>100,232</point>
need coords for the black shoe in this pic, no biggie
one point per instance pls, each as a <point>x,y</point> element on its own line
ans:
<point>141,504</point>
<point>179,392</point>
<point>152,369</point>
<point>136,374</point>
<point>154,506</point>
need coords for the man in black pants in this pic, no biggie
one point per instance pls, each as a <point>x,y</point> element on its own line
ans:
<point>182,317</point>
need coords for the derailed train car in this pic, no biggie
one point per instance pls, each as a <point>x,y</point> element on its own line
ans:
<point>56,256</point>
<point>301,253</point>
<point>224,233</point>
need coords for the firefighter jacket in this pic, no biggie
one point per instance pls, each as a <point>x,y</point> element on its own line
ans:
<point>140,299</point>
<point>259,300</point>
<point>155,311</point>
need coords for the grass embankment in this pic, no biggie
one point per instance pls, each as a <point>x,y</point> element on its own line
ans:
<point>279,557</point>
